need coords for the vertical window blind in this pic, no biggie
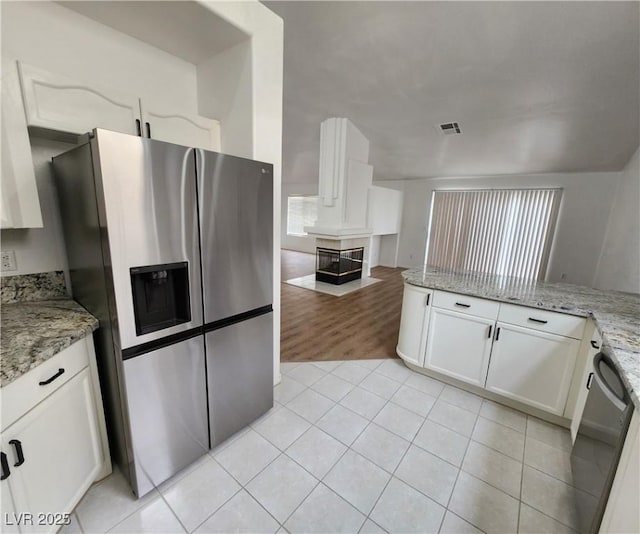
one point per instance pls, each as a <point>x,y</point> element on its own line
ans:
<point>499,231</point>
<point>301,211</point>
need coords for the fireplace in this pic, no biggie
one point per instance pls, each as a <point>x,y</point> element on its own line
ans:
<point>338,266</point>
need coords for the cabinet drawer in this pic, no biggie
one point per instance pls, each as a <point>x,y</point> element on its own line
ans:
<point>465,304</point>
<point>25,392</point>
<point>543,320</point>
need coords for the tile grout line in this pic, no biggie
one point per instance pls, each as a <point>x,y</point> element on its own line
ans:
<point>369,422</point>
<point>320,479</point>
<point>78,519</point>
<point>174,512</point>
<point>524,454</point>
<point>453,488</point>
<point>393,475</point>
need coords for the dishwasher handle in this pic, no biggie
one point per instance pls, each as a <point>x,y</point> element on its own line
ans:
<point>620,403</point>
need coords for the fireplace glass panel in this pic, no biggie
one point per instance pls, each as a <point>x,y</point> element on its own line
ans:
<point>338,266</point>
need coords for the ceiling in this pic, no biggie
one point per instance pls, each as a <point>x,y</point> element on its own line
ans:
<point>537,87</point>
<point>187,30</point>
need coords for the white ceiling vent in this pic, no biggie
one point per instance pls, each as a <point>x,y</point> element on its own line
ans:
<point>450,128</point>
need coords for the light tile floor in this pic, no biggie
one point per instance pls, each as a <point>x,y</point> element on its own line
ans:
<point>360,446</point>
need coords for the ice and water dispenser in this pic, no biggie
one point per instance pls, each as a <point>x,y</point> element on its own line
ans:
<point>160,296</point>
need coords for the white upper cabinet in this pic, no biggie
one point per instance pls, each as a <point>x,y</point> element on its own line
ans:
<point>180,128</point>
<point>56,102</point>
<point>20,202</point>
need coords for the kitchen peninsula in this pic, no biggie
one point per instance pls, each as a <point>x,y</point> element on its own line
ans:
<point>615,314</point>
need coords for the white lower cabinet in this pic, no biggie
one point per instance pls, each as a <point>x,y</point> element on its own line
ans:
<point>414,324</point>
<point>587,375</point>
<point>61,454</point>
<point>459,345</point>
<point>53,442</point>
<point>524,354</point>
<point>532,366</point>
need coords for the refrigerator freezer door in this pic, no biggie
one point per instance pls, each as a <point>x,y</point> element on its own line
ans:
<point>146,192</point>
<point>167,400</point>
<point>240,375</point>
<point>235,198</point>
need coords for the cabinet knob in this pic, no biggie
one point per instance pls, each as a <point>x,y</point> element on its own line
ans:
<point>5,466</point>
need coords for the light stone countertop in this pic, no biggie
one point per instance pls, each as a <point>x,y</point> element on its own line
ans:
<point>616,314</point>
<point>33,332</point>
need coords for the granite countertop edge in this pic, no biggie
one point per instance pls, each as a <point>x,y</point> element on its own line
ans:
<point>35,331</point>
<point>625,355</point>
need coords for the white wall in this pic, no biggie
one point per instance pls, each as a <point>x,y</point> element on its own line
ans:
<point>40,249</point>
<point>619,266</point>
<point>582,220</point>
<point>59,40</point>
<point>224,92</point>
<point>267,52</point>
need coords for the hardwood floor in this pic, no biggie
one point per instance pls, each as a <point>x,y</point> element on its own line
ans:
<point>361,325</point>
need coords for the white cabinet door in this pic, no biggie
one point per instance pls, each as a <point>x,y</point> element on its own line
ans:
<point>585,384</point>
<point>62,451</point>
<point>459,345</point>
<point>414,321</point>
<point>532,367</point>
<point>20,202</point>
<point>9,521</point>
<point>180,128</point>
<point>59,103</point>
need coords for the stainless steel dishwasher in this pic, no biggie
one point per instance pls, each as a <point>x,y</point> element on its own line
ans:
<point>598,445</point>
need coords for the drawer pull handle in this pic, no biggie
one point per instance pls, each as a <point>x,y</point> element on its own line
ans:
<point>48,381</point>
<point>594,344</point>
<point>18,446</point>
<point>537,320</point>
<point>490,329</point>
<point>5,466</point>
<point>463,305</point>
<point>497,334</point>
<point>589,380</point>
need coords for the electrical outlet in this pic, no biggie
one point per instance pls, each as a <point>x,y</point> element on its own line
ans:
<point>9,260</point>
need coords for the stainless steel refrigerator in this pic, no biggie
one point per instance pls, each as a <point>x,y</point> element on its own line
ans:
<point>171,248</point>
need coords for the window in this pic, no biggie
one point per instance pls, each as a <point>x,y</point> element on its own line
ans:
<point>504,232</point>
<point>301,211</point>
